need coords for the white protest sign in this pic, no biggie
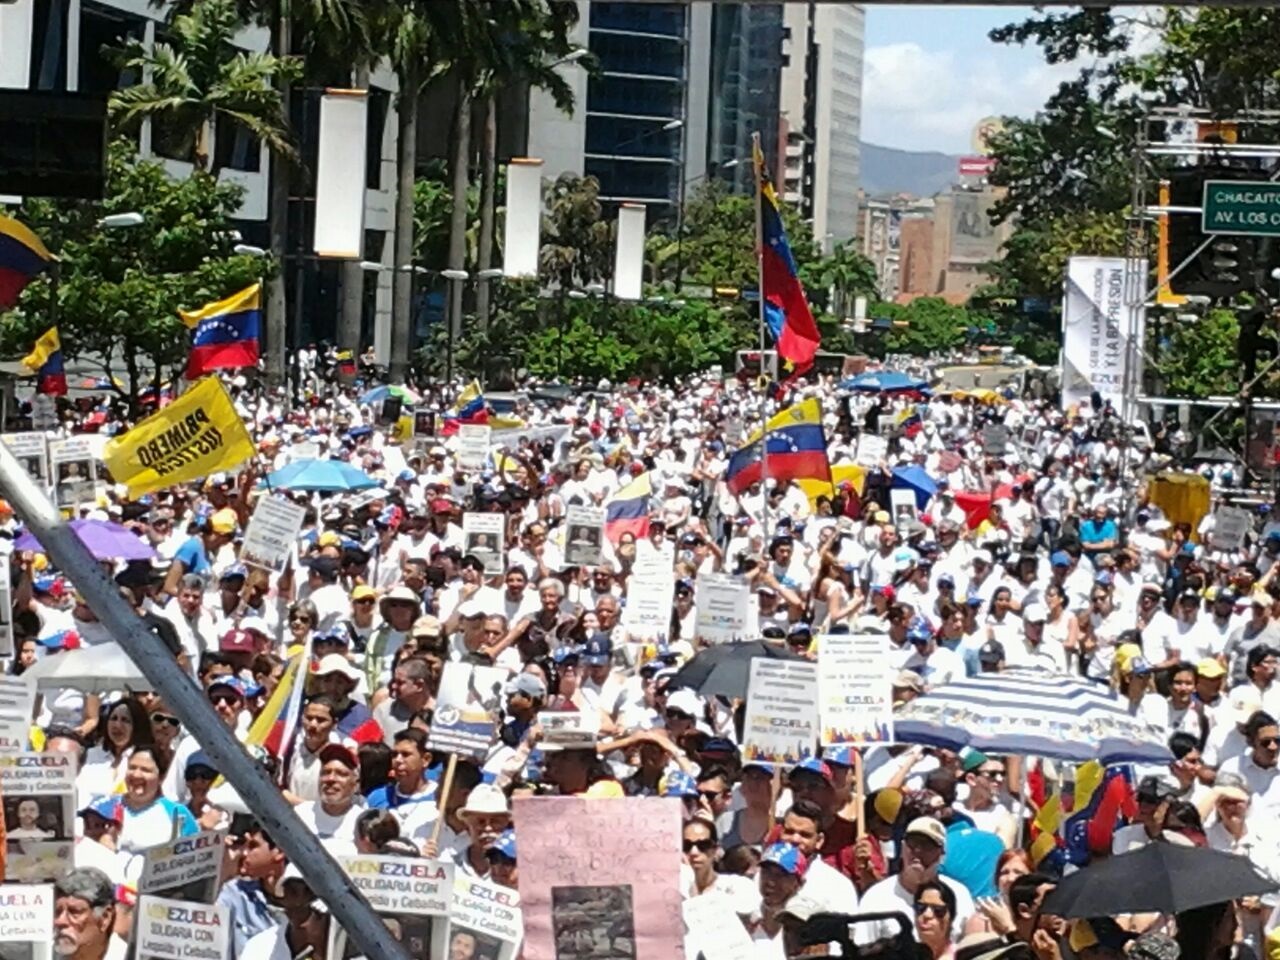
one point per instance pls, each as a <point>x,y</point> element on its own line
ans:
<point>473,447</point>
<point>903,503</point>
<point>39,802</point>
<point>995,439</point>
<point>871,450</point>
<point>1230,526</point>
<point>855,689</point>
<point>17,697</point>
<point>181,930</point>
<point>308,450</point>
<point>782,711</point>
<point>272,533</point>
<point>75,471</point>
<point>26,921</point>
<point>485,920</point>
<point>186,869</point>
<point>468,704</point>
<point>44,412</point>
<point>584,536</point>
<point>482,537</point>
<point>32,451</point>
<point>723,602</point>
<point>714,928</point>
<point>411,895</point>
<point>649,594</point>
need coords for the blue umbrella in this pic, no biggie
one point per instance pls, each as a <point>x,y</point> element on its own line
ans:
<point>883,381</point>
<point>915,479</point>
<point>1032,714</point>
<point>378,394</point>
<point>332,476</point>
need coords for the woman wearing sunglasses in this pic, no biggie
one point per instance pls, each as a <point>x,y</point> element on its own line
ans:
<point>935,909</point>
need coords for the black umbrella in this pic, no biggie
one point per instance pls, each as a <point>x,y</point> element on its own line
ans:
<point>1160,878</point>
<point>725,670</point>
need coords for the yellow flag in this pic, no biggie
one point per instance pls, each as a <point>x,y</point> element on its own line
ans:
<point>198,434</point>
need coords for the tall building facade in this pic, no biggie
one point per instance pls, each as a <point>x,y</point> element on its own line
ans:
<point>821,104</point>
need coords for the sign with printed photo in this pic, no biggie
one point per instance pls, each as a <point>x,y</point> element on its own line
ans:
<point>410,894</point>
<point>74,469</point>
<point>181,930</point>
<point>272,533</point>
<point>32,451</point>
<point>871,450</point>
<point>307,450</point>
<point>723,607</point>
<point>424,423</point>
<point>855,692</point>
<point>483,536</point>
<point>1230,527</point>
<point>473,447</point>
<point>584,536</point>
<point>485,921</point>
<point>26,921</point>
<point>468,704</point>
<point>995,439</point>
<point>903,504</point>
<point>782,712</point>
<point>186,869</point>
<point>38,792</point>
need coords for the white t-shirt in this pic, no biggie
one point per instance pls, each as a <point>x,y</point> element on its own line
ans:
<point>338,833</point>
<point>889,896</point>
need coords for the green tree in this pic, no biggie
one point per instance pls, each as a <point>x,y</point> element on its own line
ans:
<point>932,324</point>
<point>1201,357</point>
<point>120,291</point>
<point>577,244</point>
<point>845,272</point>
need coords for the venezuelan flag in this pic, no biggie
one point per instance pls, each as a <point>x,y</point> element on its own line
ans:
<point>798,339</point>
<point>628,509</point>
<point>226,333</point>
<point>796,446</point>
<point>45,361</point>
<point>470,407</point>
<point>908,421</point>
<point>22,258</point>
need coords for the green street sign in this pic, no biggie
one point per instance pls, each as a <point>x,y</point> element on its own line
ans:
<point>1244,207</point>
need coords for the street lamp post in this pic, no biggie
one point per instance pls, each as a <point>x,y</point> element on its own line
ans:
<point>456,280</point>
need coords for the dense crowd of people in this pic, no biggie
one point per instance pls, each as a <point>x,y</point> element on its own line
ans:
<point>1042,547</point>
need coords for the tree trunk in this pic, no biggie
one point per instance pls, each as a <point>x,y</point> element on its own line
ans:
<point>402,279</point>
<point>458,213</point>
<point>278,225</point>
<point>488,187</point>
<point>349,320</point>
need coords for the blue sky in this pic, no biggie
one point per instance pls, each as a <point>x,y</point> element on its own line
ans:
<point>931,74</point>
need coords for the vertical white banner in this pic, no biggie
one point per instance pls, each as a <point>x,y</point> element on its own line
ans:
<point>340,174</point>
<point>628,263</point>
<point>1103,325</point>
<point>523,231</point>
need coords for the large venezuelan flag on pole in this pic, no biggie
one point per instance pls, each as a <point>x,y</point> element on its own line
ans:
<point>226,333</point>
<point>798,338</point>
<point>45,361</point>
<point>22,258</point>
<point>628,509</point>
<point>797,449</point>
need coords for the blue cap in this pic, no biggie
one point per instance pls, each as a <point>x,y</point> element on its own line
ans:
<point>234,682</point>
<point>787,856</point>
<point>918,630</point>
<point>108,808</point>
<point>598,650</point>
<point>679,784</point>
<point>1103,578</point>
<point>200,759</point>
<point>333,635</point>
<point>1188,550</point>
<point>1060,558</point>
<point>406,475</point>
<point>234,571</point>
<point>561,654</point>
<point>973,600</point>
<point>813,765</point>
<point>841,754</point>
<point>1274,535</point>
<point>505,845</point>
<point>946,578</point>
<point>44,584</point>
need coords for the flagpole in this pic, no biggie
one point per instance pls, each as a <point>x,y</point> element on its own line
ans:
<point>758,165</point>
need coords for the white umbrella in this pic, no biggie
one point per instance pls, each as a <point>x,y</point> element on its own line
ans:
<point>103,668</point>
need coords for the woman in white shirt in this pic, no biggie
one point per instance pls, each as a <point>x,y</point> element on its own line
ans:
<point>128,726</point>
<point>1061,629</point>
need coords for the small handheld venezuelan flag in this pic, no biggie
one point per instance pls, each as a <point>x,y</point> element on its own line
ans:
<point>45,361</point>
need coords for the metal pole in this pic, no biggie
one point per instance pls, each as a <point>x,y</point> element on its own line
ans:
<point>329,882</point>
<point>758,166</point>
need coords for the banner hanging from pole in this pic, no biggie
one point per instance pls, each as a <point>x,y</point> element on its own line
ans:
<point>522,233</point>
<point>1103,324</point>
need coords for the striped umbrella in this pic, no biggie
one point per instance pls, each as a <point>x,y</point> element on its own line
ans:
<point>1034,714</point>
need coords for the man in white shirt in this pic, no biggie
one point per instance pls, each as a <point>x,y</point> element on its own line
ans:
<point>333,817</point>
<point>802,826</point>
<point>1154,796</point>
<point>923,847</point>
<point>1258,766</point>
<point>937,665</point>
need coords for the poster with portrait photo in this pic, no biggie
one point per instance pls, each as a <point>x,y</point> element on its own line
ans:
<point>591,922</point>
<point>485,921</point>
<point>39,804</point>
<point>26,921</point>
<point>74,470</point>
<point>411,895</point>
<point>903,505</point>
<point>424,423</point>
<point>32,451</point>
<point>584,536</point>
<point>482,538</point>
<point>187,869</point>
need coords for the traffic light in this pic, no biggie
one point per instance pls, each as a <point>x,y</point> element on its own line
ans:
<point>1225,266</point>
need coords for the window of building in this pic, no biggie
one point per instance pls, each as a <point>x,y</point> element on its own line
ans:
<point>379,108</point>
<point>104,33</point>
<point>49,45</point>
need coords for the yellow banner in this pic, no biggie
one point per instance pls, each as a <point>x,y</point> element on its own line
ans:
<point>198,434</point>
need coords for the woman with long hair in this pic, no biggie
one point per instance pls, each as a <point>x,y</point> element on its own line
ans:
<point>127,726</point>
<point>1061,627</point>
<point>935,911</point>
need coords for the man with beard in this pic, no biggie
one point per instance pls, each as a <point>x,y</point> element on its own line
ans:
<point>84,913</point>
<point>486,815</point>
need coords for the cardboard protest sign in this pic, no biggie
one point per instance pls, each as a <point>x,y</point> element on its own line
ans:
<point>180,930</point>
<point>903,503</point>
<point>186,869</point>
<point>74,469</point>
<point>473,447</point>
<point>1230,527</point>
<point>307,450</point>
<point>782,714</point>
<point>715,930</point>
<point>389,412</point>
<point>32,451</point>
<point>871,450</point>
<point>614,891</point>
<point>39,802</point>
<point>584,536</point>
<point>995,439</point>
<point>649,594</point>
<point>723,603</point>
<point>17,698</point>
<point>467,709</point>
<point>26,921</point>
<point>483,536</point>
<point>855,692</point>
<point>485,922</point>
<point>411,895</point>
<point>272,533</point>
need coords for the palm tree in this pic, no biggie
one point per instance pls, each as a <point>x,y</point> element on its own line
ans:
<point>848,274</point>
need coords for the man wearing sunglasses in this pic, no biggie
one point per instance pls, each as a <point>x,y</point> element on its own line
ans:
<point>1257,767</point>
<point>985,778</point>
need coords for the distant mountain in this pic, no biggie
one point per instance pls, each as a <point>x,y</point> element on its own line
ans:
<point>888,171</point>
